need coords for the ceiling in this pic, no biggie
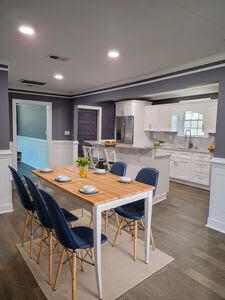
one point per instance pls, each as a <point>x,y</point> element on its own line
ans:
<point>191,91</point>
<point>151,35</point>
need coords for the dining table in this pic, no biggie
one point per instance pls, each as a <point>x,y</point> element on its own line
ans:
<point>111,194</point>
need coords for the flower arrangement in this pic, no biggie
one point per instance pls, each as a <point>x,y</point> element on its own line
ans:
<point>83,163</point>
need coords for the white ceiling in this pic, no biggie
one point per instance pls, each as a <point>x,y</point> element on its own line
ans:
<point>191,91</point>
<point>152,35</point>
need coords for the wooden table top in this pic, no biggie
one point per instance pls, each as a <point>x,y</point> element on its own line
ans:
<point>107,184</point>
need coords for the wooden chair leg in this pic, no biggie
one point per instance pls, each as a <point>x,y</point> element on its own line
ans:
<point>135,240</point>
<point>117,220</point>
<point>106,221</point>
<point>152,240</point>
<point>91,218</point>
<point>82,212</point>
<point>25,228</point>
<point>41,245</point>
<point>59,269</point>
<point>74,277</point>
<point>31,236</point>
<point>50,258</point>
<point>118,230</point>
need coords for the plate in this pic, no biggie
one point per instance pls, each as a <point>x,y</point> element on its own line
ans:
<point>99,171</point>
<point>62,178</point>
<point>125,179</point>
<point>88,193</point>
<point>46,170</point>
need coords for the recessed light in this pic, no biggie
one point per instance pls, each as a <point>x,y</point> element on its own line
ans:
<point>58,76</point>
<point>113,53</point>
<point>26,30</point>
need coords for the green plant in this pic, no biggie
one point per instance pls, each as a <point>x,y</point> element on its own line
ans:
<point>83,162</point>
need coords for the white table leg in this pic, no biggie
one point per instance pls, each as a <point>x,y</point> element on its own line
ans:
<point>39,183</point>
<point>97,247</point>
<point>148,218</point>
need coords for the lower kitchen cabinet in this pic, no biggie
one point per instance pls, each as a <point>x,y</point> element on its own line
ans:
<point>190,167</point>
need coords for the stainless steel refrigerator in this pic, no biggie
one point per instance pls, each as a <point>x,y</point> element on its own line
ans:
<point>125,129</point>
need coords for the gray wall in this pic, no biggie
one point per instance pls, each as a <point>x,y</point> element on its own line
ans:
<point>32,121</point>
<point>199,78</point>
<point>108,117</point>
<point>62,113</point>
<point>4,111</point>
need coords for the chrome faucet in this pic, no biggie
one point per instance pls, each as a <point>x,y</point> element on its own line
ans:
<point>190,144</point>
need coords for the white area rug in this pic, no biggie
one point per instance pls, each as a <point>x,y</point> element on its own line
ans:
<point>120,272</point>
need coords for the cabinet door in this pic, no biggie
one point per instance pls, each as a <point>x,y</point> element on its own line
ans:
<point>211,116</point>
<point>173,167</point>
<point>183,170</point>
<point>152,119</point>
<point>119,109</point>
<point>167,119</point>
<point>129,108</point>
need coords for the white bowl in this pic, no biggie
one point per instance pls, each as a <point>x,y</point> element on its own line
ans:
<point>62,178</point>
<point>46,170</point>
<point>89,188</point>
<point>100,171</point>
<point>125,179</point>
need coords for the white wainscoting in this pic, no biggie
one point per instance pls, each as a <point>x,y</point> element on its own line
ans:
<point>64,153</point>
<point>216,219</point>
<point>34,151</point>
<point>5,182</point>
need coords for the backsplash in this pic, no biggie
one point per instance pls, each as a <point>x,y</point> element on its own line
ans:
<point>174,141</point>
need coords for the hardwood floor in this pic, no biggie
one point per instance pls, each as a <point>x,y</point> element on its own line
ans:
<point>198,271</point>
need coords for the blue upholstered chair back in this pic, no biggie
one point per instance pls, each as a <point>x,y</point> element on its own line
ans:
<point>39,203</point>
<point>63,232</point>
<point>23,194</point>
<point>119,168</point>
<point>148,176</point>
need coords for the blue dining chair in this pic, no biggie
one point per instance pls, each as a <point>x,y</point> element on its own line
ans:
<point>28,204</point>
<point>119,168</point>
<point>73,240</point>
<point>46,224</point>
<point>135,211</point>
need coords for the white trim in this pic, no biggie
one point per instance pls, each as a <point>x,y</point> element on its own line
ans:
<point>5,152</point>
<point>47,94</point>
<point>216,225</point>
<point>99,116</point>
<point>49,126</point>
<point>218,160</point>
<point>4,69</point>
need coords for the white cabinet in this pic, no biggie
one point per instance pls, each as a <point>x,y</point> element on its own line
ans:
<point>125,108</point>
<point>160,118</point>
<point>211,116</point>
<point>152,118</point>
<point>190,167</point>
<point>167,118</point>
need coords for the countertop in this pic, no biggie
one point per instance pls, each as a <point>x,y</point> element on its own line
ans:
<point>184,150</point>
<point>118,145</point>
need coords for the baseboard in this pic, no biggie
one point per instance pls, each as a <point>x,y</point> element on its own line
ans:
<point>188,183</point>
<point>159,198</point>
<point>216,225</point>
<point>6,209</point>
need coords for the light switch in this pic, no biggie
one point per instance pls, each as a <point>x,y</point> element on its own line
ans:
<point>67,132</point>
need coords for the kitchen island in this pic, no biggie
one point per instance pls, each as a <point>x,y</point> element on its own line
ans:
<point>137,157</point>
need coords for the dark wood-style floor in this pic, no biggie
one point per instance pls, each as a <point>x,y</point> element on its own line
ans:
<point>198,271</point>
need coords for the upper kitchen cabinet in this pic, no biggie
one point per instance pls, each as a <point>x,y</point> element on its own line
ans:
<point>211,116</point>
<point>125,108</point>
<point>152,118</point>
<point>168,118</point>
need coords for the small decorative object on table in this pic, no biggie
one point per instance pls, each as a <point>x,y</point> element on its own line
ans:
<point>211,148</point>
<point>83,163</point>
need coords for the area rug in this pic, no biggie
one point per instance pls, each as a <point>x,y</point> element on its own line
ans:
<point>120,272</point>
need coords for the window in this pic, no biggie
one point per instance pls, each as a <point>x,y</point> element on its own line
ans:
<point>192,121</point>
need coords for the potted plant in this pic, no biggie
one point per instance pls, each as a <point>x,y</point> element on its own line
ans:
<point>83,163</point>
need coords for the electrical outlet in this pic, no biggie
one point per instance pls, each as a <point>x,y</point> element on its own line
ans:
<point>67,132</point>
